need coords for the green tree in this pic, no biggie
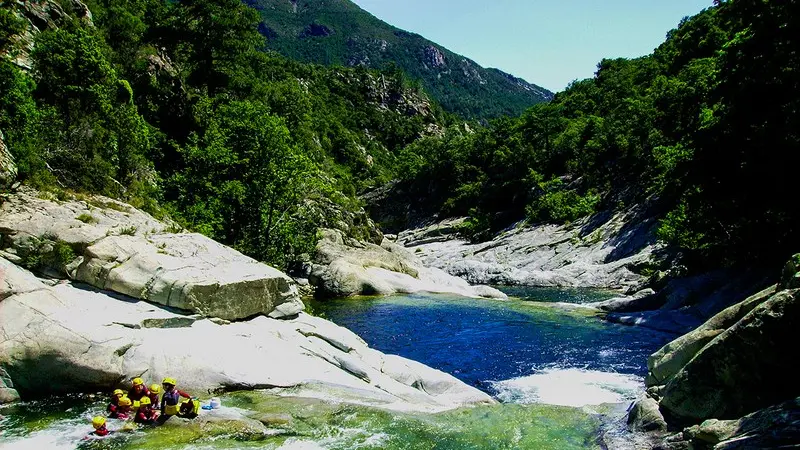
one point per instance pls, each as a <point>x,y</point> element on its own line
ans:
<point>245,182</point>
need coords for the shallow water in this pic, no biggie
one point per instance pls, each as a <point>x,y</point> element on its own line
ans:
<point>530,356</point>
<point>309,424</point>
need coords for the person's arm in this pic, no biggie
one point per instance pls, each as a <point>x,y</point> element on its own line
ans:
<point>163,402</point>
<point>184,394</point>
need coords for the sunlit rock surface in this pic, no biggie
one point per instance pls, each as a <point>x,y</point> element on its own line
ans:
<point>73,338</point>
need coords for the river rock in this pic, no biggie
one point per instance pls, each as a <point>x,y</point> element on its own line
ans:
<point>774,427</point>
<point>191,272</point>
<point>344,267</point>
<point>8,170</point>
<point>711,431</point>
<point>750,365</point>
<point>777,426</point>
<point>7,392</point>
<point>640,301</point>
<point>122,249</point>
<point>667,361</point>
<point>790,277</point>
<point>74,338</point>
<point>645,416</point>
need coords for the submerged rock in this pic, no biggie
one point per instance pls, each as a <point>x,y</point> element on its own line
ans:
<point>72,338</point>
<point>344,267</point>
<point>119,248</point>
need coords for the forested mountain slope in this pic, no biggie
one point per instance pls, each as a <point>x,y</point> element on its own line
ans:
<point>176,108</point>
<point>338,32</point>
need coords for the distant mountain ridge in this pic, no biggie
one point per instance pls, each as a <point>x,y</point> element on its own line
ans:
<point>338,32</point>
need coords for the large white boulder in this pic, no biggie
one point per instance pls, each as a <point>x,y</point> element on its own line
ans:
<point>191,272</point>
<point>122,249</point>
<point>72,338</point>
<point>345,267</point>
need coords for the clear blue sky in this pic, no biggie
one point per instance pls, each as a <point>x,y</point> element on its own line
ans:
<point>549,43</point>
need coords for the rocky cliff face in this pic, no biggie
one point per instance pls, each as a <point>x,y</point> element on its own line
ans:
<point>42,15</point>
<point>8,170</point>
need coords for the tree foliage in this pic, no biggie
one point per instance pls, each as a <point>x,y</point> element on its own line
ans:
<point>707,126</point>
<point>176,107</point>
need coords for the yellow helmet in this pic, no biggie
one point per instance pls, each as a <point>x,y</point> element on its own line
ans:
<point>138,381</point>
<point>98,422</point>
<point>119,392</point>
<point>145,401</point>
<point>125,401</point>
<point>155,389</point>
<point>169,380</point>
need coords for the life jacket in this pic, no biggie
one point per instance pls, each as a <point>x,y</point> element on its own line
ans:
<point>154,399</point>
<point>119,415</point>
<point>113,404</point>
<point>170,401</point>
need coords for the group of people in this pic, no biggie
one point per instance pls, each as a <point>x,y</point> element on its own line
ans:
<point>143,405</point>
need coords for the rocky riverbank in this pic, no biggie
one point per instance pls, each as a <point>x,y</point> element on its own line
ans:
<point>608,250</point>
<point>726,383</point>
<point>731,382</point>
<point>127,295</point>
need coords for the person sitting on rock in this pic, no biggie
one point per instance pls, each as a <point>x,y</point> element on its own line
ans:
<point>138,390</point>
<point>146,414</point>
<point>114,404</point>
<point>99,424</point>
<point>154,391</point>
<point>170,399</point>
<point>123,410</point>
